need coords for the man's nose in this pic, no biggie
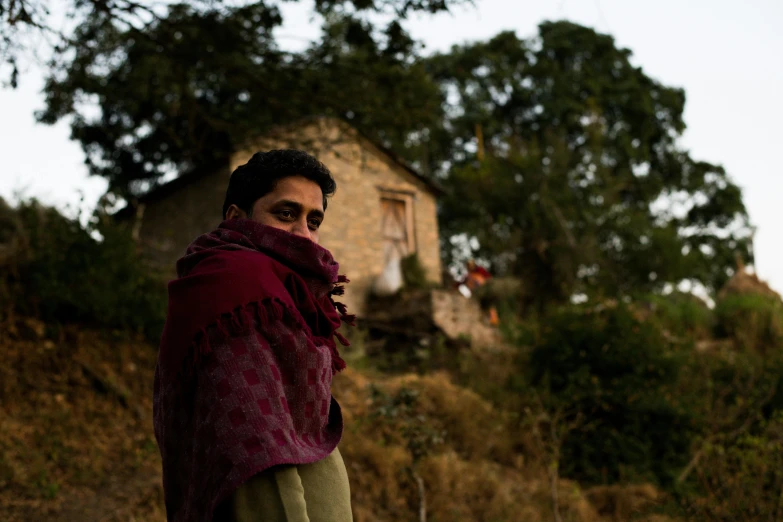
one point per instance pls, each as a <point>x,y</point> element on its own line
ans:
<point>301,229</point>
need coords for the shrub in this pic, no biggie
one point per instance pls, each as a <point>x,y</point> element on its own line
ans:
<point>682,314</point>
<point>619,375</point>
<point>753,321</point>
<point>60,271</point>
<point>413,274</point>
<point>504,293</point>
<point>738,452</point>
<point>741,478</point>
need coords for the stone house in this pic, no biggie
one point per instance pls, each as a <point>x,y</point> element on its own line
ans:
<point>382,211</point>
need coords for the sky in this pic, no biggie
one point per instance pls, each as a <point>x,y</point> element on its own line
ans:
<point>727,55</point>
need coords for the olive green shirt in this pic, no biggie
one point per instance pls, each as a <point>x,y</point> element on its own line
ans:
<point>317,492</point>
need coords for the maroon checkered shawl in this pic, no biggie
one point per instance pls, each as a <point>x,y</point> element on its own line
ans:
<point>243,380</point>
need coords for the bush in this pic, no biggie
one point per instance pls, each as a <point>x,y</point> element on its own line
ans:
<point>619,375</point>
<point>504,293</point>
<point>753,321</point>
<point>413,274</point>
<point>738,452</point>
<point>741,478</point>
<point>57,270</point>
<point>682,314</point>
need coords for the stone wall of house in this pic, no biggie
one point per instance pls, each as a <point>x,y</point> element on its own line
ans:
<point>457,316</point>
<point>169,224</point>
<point>421,313</point>
<point>352,228</point>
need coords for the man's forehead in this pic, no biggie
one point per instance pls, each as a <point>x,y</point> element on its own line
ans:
<point>296,190</point>
<point>299,205</point>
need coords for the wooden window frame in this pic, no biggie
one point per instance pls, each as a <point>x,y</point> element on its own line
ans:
<point>408,198</point>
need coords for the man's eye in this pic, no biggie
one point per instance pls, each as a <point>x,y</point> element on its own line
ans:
<point>314,224</point>
<point>286,214</point>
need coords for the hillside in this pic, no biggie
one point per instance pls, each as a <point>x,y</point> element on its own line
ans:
<point>76,441</point>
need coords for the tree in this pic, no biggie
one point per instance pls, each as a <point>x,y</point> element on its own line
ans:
<point>564,163</point>
<point>560,156</point>
<point>187,85</point>
<point>22,22</point>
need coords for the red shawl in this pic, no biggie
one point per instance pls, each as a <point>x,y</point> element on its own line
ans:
<point>243,380</point>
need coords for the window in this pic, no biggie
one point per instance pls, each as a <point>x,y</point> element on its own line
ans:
<point>397,230</point>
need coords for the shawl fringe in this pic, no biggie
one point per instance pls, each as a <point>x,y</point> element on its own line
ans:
<point>350,319</point>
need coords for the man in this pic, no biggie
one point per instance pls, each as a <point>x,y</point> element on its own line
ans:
<point>243,412</point>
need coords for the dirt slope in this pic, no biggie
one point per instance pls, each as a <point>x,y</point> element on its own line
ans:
<point>76,441</point>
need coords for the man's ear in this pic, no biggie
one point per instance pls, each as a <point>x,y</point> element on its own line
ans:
<point>235,212</point>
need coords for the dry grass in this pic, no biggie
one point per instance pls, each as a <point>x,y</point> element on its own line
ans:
<point>475,475</point>
<point>480,490</point>
<point>474,429</point>
<point>745,283</point>
<point>75,419</point>
<point>76,442</point>
<point>621,502</point>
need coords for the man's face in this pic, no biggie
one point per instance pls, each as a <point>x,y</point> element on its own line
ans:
<point>295,205</point>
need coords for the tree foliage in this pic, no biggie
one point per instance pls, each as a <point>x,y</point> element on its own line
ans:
<point>187,86</point>
<point>578,184</point>
<point>54,268</point>
<point>559,155</point>
<point>618,374</point>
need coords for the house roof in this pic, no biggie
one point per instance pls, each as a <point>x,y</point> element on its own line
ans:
<point>161,191</point>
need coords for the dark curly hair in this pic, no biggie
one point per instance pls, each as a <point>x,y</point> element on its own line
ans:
<point>260,175</point>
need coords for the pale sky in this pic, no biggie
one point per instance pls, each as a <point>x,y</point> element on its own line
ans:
<point>727,55</point>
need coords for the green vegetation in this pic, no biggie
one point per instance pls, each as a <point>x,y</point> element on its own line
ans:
<point>620,376</point>
<point>576,143</point>
<point>552,151</point>
<point>742,477</point>
<point>617,395</point>
<point>754,320</point>
<point>637,393</point>
<point>681,315</point>
<point>413,274</point>
<point>620,399</point>
<point>54,268</point>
